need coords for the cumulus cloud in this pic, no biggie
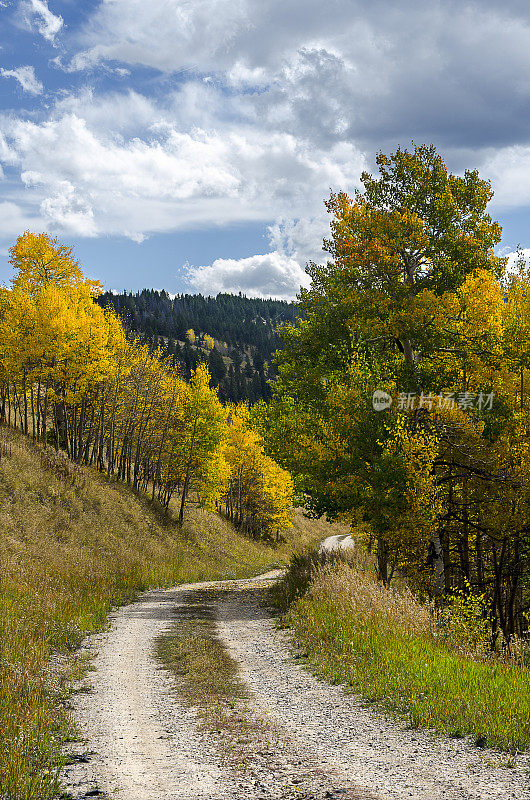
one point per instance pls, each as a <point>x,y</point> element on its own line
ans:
<point>26,78</point>
<point>300,238</point>
<point>279,273</point>
<point>66,209</point>
<point>136,32</point>
<point>509,171</point>
<point>7,155</point>
<point>89,181</point>
<point>38,15</point>
<point>14,219</point>
<point>371,71</point>
<point>269,275</point>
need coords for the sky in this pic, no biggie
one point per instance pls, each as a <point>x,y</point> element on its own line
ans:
<point>188,145</point>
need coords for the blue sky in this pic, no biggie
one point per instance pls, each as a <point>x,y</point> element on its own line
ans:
<point>189,144</point>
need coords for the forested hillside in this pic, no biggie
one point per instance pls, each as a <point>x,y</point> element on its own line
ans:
<point>235,335</point>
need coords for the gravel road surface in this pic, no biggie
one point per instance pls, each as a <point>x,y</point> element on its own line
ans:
<point>140,743</point>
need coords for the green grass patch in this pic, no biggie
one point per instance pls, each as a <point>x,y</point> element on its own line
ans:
<point>384,644</point>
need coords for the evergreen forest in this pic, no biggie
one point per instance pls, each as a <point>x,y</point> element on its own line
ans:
<point>236,336</point>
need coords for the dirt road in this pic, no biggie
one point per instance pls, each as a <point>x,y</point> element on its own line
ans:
<point>142,744</point>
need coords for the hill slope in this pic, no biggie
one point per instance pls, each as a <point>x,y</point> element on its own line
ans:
<point>72,546</point>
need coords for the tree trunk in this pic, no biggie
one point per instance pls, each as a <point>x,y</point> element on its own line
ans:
<point>187,476</point>
<point>438,565</point>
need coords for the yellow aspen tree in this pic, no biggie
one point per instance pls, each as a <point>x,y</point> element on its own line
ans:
<point>39,260</point>
<point>259,494</point>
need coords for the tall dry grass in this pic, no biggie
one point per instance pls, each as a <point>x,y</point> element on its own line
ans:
<point>71,547</point>
<point>389,647</point>
<point>355,592</point>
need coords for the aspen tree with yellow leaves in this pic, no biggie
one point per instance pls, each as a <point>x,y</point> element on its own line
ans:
<point>72,379</point>
<point>55,341</point>
<point>258,494</point>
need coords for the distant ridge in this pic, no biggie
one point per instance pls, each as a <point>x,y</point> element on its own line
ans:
<point>243,330</point>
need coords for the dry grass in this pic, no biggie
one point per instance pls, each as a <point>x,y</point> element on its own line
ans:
<point>388,646</point>
<point>356,593</point>
<point>73,546</point>
<point>191,649</point>
<point>207,678</point>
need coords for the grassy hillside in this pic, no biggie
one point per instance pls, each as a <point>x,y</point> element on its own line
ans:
<point>71,547</point>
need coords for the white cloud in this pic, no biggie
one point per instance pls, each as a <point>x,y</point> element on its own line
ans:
<point>300,238</point>
<point>14,219</point>
<point>509,171</point>
<point>37,15</point>
<point>7,155</point>
<point>163,33</point>
<point>26,78</point>
<point>269,275</point>
<point>344,73</point>
<point>279,273</point>
<point>89,180</point>
<point>116,113</point>
<point>136,237</point>
<point>241,76</point>
<point>66,209</point>
<point>514,256</point>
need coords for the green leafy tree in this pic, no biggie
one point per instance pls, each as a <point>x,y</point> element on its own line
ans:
<point>379,314</point>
